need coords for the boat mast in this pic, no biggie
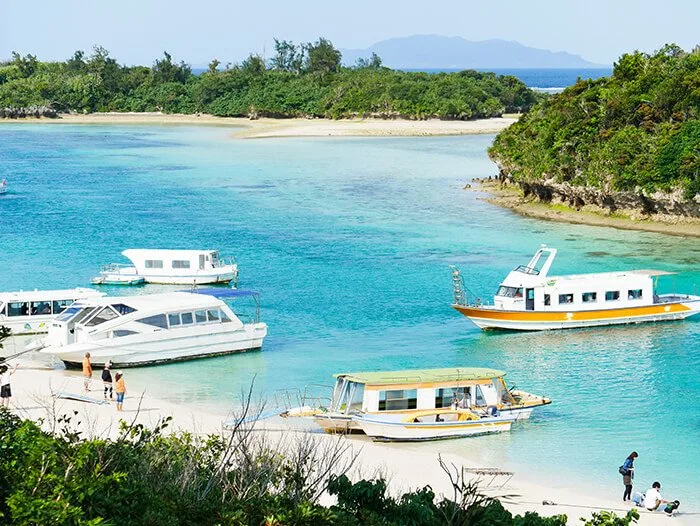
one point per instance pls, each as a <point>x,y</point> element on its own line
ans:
<point>458,296</point>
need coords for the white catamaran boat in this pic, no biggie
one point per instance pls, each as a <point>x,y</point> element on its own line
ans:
<point>173,267</point>
<point>404,394</point>
<point>531,299</point>
<point>31,312</point>
<point>155,328</point>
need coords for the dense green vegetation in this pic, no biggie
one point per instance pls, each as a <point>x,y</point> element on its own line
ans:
<point>638,130</point>
<point>147,476</point>
<point>304,80</point>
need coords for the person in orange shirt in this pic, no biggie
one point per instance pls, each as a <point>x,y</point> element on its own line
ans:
<point>120,389</point>
<point>87,372</point>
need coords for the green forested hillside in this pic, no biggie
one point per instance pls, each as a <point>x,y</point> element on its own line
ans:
<point>300,80</point>
<point>638,130</point>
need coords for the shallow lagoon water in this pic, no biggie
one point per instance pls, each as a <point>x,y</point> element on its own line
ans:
<point>349,242</point>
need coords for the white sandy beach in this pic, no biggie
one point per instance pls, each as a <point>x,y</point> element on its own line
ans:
<point>406,467</point>
<point>267,128</point>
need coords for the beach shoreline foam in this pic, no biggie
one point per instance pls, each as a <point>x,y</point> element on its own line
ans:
<point>512,198</point>
<point>295,127</point>
<point>33,385</point>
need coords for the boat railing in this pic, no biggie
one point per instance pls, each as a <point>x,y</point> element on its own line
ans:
<point>527,270</point>
<point>287,399</point>
<point>115,267</point>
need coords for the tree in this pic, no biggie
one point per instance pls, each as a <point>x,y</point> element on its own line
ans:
<point>213,65</point>
<point>322,57</point>
<point>253,65</point>
<point>77,62</point>
<point>373,62</point>
<point>26,65</point>
<point>165,70</point>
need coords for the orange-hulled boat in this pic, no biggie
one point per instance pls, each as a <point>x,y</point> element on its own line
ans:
<point>530,299</point>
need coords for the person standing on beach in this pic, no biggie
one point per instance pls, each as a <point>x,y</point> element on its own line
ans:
<point>107,379</point>
<point>87,372</point>
<point>5,391</point>
<point>120,389</point>
<point>627,471</point>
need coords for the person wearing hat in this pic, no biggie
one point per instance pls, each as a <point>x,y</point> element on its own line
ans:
<point>5,389</point>
<point>120,389</point>
<point>107,379</point>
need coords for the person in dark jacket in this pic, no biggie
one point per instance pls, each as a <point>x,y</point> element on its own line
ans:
<point>627,471</point>
<point>107,379</point>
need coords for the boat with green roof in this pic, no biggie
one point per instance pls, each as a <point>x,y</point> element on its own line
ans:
<point>399,394</point>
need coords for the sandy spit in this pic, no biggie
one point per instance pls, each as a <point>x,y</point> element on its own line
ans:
<point>267,128</point>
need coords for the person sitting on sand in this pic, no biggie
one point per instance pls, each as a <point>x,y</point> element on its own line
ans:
<point>652,498</point>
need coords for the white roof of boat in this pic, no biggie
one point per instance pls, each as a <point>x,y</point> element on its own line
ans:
<point>141,252</point>
<point>165,301</point>
<point>50,295</point>
<point>619,274</point>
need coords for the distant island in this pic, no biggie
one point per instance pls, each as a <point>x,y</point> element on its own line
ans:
<point>440,52</point>
<point>300,80</point>
<point>628,144</point>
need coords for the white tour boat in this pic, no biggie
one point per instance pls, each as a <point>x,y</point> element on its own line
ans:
<point>154,328</point>
<point>413,392</point>
<point>532,299</point>
<point>171,267</point>
<point>31,312</point>
<point>434,424</point>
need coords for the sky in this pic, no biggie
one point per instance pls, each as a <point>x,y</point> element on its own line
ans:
<point>138,31</point>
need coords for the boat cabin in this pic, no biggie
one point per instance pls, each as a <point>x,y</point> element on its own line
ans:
<point>172,262</point>
<point>28,312</point>
<point>387,392</point>
<point>531,288</point>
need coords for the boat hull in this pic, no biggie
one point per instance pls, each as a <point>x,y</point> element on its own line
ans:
<point>491,318</point>
<point>391,431</point>
<point>153,351</point>
<point>22,325</point>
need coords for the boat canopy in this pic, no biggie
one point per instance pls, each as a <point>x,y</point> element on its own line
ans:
<point>452,374</point>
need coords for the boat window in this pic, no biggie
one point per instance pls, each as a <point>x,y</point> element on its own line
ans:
<point>201,261</point>
<point>60,305</point>
<point>547,300</point>
<point>122,332</point>
<point>479,399</point>
<point>104,315</point>
<point>68,313</point>
<point>157,320</point>
<point>123,309</point>
<point>18,308</point>
<point>181,263</point>
<point>612,295</point>
<point>87,311</point>
<point>186,318</point>
<point>358,395</point>
<point>213,315</point>
<point>398,399</point>
<point>2,308</point>
<point>41,307</point>
<point>174,320</point>
<point>224,317</point>
<point>200,316</point>
<point>154,263</point>
<point>635,294</point>
<point>589,297</point>
<point>445,396</point>
<point>566,298</point>
<point>509,292</point>
<point>339,392</point>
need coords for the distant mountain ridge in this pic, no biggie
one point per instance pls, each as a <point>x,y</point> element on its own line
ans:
<point>440,52</point>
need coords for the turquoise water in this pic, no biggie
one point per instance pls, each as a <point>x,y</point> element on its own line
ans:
<point>349,242</point>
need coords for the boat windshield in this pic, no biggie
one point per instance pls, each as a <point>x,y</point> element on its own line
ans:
<point>347,396</point>
<point>510,292</point>
<point>527,270</point>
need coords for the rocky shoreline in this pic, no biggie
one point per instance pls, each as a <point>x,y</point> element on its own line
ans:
<point>661,213</point>
<point>35,112</point>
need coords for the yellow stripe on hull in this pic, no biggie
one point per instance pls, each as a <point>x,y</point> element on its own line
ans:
<point>533,320</point>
